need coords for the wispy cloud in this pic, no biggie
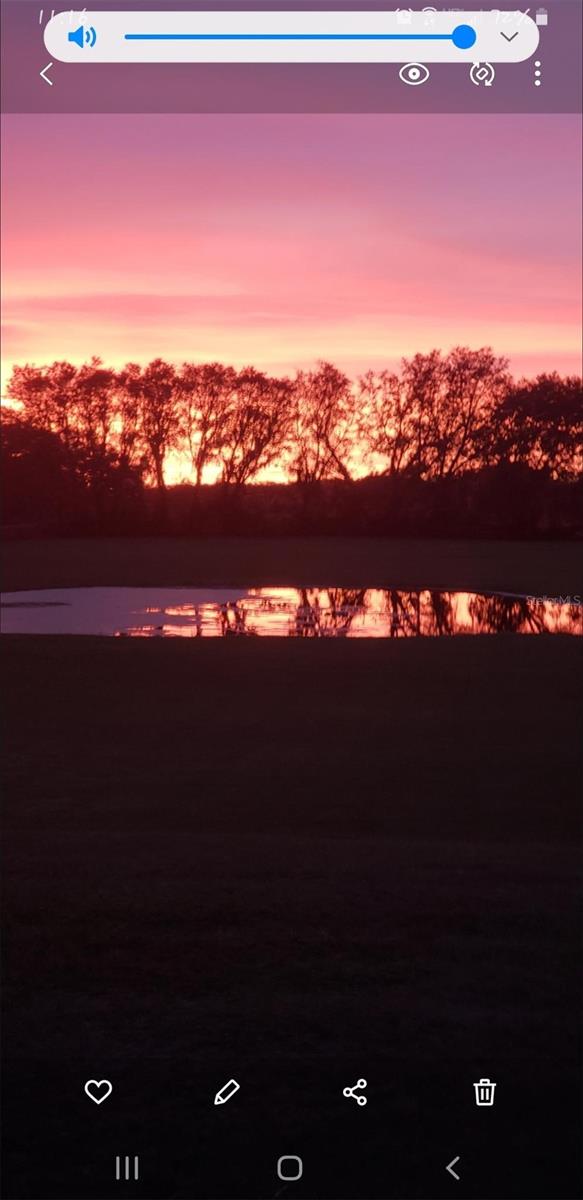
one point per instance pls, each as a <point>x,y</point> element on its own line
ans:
<point>278,240</point>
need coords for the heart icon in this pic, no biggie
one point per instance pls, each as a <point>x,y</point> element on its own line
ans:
<point>98,1090</point>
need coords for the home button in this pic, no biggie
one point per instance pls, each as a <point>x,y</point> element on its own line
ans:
<point>290,1168</point>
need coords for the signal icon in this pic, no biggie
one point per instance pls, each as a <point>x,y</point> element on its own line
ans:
<point>84,36</point>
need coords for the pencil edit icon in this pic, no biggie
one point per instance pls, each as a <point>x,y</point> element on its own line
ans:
<point>227,1092</point>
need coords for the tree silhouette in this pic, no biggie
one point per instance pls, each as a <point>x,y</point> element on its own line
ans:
<point>323,434</point>
<point>154,391</point>
<point>540,423</point>
<point>457,439</point>
<point>36,472</point>
<point>206,394</point>
<point>47,398</point>
<point>43,478</point>
<point>454,397</point>
<point>94,411</point>
<point>256,427</point>
<point>387,421</point>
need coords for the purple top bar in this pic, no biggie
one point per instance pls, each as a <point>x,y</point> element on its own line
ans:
<point>277,88</point>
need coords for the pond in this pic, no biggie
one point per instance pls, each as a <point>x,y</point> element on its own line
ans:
<point>284,612</point>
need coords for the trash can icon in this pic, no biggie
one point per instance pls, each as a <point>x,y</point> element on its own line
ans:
<point>484,1090</point>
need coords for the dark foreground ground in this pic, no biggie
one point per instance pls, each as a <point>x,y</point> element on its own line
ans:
<point>295,863</point>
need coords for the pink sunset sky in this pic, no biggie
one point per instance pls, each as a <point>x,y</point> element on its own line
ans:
<point>278,240</point>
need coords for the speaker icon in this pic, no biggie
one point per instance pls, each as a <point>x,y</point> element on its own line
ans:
<point>83,36</point>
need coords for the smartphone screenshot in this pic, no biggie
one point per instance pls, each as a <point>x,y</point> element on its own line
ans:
<point>291,601</point>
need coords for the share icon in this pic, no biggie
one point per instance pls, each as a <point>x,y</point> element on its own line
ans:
<point>350,1092</point>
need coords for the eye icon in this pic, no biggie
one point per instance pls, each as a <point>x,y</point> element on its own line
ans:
<point>414,74</point>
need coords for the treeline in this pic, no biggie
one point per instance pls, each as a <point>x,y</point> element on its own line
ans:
<point>88,447</point>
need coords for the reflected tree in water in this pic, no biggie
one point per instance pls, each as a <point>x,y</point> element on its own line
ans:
<point>233,620</point>
<point>350,613</point>
<point>327,613</point>
<point>515,614</point>
<point>419,614</point>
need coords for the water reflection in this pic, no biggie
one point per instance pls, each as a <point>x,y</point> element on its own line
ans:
<point>284,612</point>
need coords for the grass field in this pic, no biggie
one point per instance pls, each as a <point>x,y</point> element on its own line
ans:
<point>553,568</point>
<point>296,863</point>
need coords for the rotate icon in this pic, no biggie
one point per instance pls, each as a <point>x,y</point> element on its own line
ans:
<point>482,74</point>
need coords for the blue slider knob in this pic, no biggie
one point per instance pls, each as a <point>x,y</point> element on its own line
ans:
<point>463,37</point>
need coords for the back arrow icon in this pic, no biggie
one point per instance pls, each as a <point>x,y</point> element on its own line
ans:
<point>43,74</point>
<point>451,1165</point>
